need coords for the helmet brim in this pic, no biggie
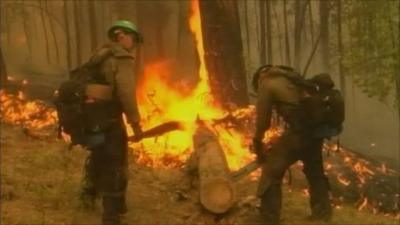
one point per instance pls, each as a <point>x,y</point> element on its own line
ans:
<point>111,33</point>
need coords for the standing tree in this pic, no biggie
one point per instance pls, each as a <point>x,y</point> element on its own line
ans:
<point>77,33</point>
<point>3,71</point>
<point>223,51</point>
<point>67,35</point>
<point>53,33</point>
<point>288,56</point>
<point>263,56</point>
<point>269,32</point>
<point>25,18</point>
<point>46,38</point>
<point>93,25</point>
<point>340,48</point>
<point>324,32</point>
<point>300,7</point>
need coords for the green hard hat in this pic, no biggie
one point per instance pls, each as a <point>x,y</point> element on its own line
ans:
<point>127,26</point>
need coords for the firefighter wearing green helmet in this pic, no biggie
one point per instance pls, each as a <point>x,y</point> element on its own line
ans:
<point>107,165</point>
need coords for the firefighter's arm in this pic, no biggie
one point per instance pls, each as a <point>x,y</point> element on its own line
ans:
<point>263,117</point>
<point>126,91</point>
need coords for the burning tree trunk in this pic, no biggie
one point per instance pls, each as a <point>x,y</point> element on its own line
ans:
<point>223,51</point>
<point>215,186</point>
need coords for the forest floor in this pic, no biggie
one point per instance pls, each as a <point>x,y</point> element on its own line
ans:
<point>41,179</point>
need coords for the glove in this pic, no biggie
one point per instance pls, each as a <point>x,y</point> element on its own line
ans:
<point>258,149</point>
<point>137,129</point>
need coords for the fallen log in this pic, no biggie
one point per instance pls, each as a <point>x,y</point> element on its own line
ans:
<point>215,185</point>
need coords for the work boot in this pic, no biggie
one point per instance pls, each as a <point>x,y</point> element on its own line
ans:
<point>320,213</point>
<point>271,205</point>
<point>114,210</point>
<point>116,219</point>
<point>88,198</point>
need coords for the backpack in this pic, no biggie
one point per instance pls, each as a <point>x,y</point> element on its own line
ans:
<point>321,107</point>
<point>70,100</point>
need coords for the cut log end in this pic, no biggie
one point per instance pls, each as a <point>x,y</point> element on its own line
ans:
<point>217,195</point>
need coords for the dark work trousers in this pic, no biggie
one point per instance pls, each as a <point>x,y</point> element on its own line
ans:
<point>106,171</point>
<point>293,146</point>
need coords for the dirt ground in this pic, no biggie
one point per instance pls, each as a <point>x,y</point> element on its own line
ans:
<point>41,179</point>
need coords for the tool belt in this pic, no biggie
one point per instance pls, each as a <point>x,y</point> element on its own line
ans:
<point>99,92</point>
<point>101,109</point>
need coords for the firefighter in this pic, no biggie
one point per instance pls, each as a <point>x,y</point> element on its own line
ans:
<point>113,95</point>
<point>277,92</point>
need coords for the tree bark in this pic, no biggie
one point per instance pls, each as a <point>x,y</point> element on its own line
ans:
<point>93,25</point>
<point>53,33</point>
<point>224,51</point>
<point>324,29</point>
<point>215,184</point>
<point>46,38</point>
<point>67,36</point>
<point>288,56</point>
<point>269,32</point>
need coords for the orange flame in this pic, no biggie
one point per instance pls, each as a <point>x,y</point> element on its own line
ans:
<point>161,101</point>
<point>16,109</point>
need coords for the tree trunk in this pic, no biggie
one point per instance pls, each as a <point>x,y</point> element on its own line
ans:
<point>93,25</point>
<point>288,56</point>
<point>46,38</point>
<point>215,184</point>
<point>311,22</point>
<point>26,31</point>
<point>298,26</point>
<point>263,56</point>
<point>67,35</point>
<point>8,27</point>
<point>340,49</point>
<point>53,33</point>
<point>398,75</point>
<point>324,29</point>
<point>269,32</point>
<point>224,51</point>
<point>77,33</point>
<point>278,27</point>
<point>3,71</point>
<point>246,21</point>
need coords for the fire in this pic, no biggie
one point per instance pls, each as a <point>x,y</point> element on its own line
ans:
<point>16,109</point>
<point>161,101</point>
